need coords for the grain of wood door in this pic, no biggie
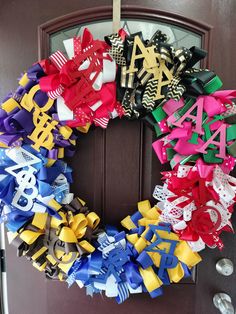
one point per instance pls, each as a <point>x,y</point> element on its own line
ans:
<point>116,168</point>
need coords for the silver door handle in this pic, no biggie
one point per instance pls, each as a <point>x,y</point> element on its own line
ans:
<point>223,303</point>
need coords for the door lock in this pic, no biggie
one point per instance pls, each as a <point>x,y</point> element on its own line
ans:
<point>225,267</point>
<point>223,303</point>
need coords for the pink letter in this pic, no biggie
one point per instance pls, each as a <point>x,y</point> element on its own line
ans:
<point>221,143</point>
<point>198,118</point>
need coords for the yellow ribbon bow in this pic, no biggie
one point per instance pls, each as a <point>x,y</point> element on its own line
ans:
<point>53,244</point>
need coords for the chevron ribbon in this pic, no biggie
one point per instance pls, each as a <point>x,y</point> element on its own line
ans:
<point>149,95</point>
<point>117,49</point>
<point>174,89</point>
<point>127,101</point>
<point>132,103</point>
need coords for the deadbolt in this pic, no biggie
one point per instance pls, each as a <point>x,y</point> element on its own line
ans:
<point>225,267</point>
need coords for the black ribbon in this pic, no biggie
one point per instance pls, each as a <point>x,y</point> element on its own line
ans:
<point>136,90</point>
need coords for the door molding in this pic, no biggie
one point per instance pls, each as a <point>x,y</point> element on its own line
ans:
<point>127,11</point>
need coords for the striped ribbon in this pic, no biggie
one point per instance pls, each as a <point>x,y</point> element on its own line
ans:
<point>59,60</point>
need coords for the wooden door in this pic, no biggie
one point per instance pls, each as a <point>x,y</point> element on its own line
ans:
<point>114,169</point>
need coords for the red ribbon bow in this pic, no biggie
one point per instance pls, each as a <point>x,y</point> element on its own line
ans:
<point>73,80</point>
<point>196,188</point>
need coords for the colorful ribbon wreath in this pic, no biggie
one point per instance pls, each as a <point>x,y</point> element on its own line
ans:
<point>194,125</point>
